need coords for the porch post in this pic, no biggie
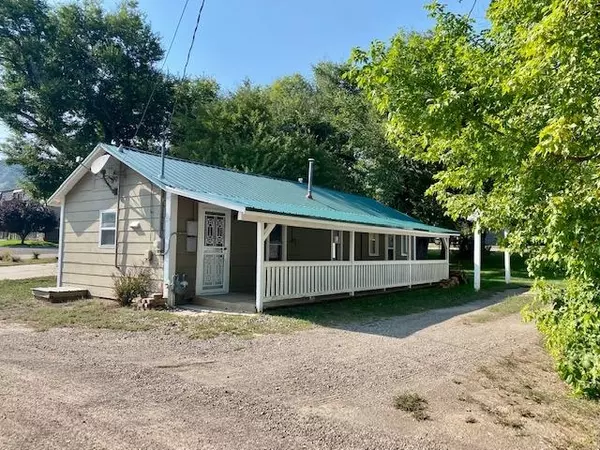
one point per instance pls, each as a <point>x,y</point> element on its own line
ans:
<point>506,262</point>
<point>61,242</point>
<point>477,258</point>
<point>410,259</point>
<point>260,257</point>
<point>352,268</point>
<point>447,244</point>
<point>170,246</point>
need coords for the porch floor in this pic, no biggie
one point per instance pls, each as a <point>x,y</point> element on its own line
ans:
<point>233,301</point>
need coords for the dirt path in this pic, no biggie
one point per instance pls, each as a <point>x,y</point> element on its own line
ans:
<point>24,271</point>
<point>323,389</point>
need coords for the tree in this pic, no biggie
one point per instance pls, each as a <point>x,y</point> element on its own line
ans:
<point>73,75</point>
<point>24,217</point>
<point>511,116</point>
<point>274,129</point>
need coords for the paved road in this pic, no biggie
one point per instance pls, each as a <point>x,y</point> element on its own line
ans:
<point>27,252</point>
<point>24,271</point>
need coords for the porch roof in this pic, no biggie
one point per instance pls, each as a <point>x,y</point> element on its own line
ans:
<point>247,192</point>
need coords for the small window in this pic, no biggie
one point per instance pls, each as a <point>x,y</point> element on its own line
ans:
<point>404,245</point>
<point>373,244</point>
<point>108,228</point>
<point>276,244</point>
<point>337,245</point>
<point>391,247</point>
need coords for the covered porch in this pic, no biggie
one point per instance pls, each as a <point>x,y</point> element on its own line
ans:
<point>251,260</point>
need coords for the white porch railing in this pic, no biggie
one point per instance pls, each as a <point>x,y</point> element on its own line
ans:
<point>296,279</point>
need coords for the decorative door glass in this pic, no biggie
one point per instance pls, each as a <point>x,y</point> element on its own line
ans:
<point>215,252</point>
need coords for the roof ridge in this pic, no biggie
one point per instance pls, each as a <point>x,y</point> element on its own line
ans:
<point>214,166</point>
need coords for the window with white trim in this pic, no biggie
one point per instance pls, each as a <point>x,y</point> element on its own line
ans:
<point>337,241</point>
<point>108,228</point>
<point>373,244</point>
<point>391,247</point>
<point>404,245</point>
<point>275,244</point>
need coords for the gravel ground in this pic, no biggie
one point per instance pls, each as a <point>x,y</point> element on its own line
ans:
<point>319,389</point>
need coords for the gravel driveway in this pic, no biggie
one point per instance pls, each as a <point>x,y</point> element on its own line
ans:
<point>324,388</point>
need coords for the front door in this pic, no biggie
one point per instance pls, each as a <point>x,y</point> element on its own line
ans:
<point>213,254</point>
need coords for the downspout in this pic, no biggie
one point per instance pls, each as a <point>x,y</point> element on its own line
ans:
<point>311,163</point>
<point>117,216</point>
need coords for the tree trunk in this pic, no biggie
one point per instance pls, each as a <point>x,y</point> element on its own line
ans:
<point>23,237</point>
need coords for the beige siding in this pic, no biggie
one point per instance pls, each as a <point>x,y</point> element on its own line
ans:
<point>186,261</point>
<point>242,276</point>
<point>85,263</point>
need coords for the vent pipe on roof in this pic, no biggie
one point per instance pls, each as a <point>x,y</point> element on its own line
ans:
<point>162,161</point>
<point>311,163</point>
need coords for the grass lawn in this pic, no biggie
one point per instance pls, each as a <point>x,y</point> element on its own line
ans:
<point>27,261</point>
<point>32,244</point>
<point>17,304</point>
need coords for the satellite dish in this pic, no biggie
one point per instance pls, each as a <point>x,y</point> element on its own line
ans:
<point>99,164</point>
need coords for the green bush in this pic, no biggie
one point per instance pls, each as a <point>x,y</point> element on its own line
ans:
<point>569,318</point>
<point>134,282</point>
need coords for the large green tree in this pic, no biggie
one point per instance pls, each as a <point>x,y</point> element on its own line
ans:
<point>273,129</point>
<point>72,75</point>
<point>511,114</point>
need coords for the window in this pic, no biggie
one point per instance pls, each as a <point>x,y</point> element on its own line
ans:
<point>391,247</point>
<point>404,245</point>
<point>275,244</point>
<point>337,240</point>
<point>373,244</point>
<point>108,228</point>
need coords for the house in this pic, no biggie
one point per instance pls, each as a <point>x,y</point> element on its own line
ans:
<point>237,237</point>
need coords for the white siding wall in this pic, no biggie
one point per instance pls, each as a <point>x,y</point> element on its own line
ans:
<point>87,265</point>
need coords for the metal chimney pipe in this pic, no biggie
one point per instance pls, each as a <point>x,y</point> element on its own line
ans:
<point>162,161</point>
<point>311,163</point>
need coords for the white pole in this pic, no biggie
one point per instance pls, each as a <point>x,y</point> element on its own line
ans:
<point>61,243</point>
<point>352,267</point>
<point>170,246</point>
<point>477,258</point>
<point>447,244</point>
<point>506,262</point>
<point>260,257</point>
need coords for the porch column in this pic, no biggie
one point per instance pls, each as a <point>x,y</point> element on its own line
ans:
<point>506,262</point>
<point>170,246</point>
<point>61,242</point>
<point>477,258</point>
<point>260,258</point>
<point>447,244</point>
<point>410,259</point>
<point>352,267</point>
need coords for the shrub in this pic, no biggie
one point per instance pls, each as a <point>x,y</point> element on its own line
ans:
<point>412,403</point>
<point>569,318</point>
<point>15,258</point>
<point>36,255</point>
<point>134,282</point>
<point>6,256</point>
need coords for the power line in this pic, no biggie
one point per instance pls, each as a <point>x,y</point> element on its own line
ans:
<point>187,61</point>
<point>161,68</point>
<point>472,8</point>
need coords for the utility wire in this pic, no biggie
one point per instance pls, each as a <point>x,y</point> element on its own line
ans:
<point>137,130</point>
<point>187,61</point>
<point>472,8</point>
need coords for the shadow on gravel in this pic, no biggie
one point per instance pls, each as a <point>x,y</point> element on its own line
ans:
<point>398,314</point>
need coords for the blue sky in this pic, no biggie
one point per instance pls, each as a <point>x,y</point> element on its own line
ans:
<point>263,40</point>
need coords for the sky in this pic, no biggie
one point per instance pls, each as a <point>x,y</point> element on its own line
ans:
<point>263,40</point>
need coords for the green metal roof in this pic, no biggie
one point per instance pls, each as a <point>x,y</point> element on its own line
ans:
<point>265,194</point>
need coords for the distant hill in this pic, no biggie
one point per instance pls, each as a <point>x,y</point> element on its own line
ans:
<point>9,176</point>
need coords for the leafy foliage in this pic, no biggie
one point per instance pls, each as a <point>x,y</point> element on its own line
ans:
<point>511,116</point>
<point>26,216</point>
<point>273,130</point>
<point>72,75</point>
<point>134,282</point>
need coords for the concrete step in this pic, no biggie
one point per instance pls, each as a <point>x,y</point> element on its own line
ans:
<point>225,304</point>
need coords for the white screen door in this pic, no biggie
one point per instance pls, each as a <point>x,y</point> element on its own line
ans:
<point>214,260</point>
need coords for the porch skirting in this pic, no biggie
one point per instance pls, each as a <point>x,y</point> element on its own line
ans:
<point>305,279</point>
